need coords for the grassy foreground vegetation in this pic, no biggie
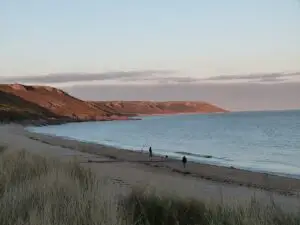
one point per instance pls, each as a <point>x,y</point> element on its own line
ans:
<point>36,190</point>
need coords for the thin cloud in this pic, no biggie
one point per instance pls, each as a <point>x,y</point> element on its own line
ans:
<point>260,77</point>
<point>82,77</point>
<point>270,80</point>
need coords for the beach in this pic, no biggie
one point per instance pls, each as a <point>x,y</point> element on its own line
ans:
<point>129,169</point>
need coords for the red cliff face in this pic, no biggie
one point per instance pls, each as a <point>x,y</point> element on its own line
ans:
<point>40,102</point>
<point>55,101</point>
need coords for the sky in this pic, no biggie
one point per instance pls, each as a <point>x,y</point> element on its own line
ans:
<point>90,43</point>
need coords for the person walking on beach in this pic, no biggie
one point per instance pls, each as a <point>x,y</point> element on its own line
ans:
<point>184,161</point>
<point>150,152</point>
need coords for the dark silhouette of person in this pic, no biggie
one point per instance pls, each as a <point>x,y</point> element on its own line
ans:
<point>184,161</point>
<point>150,152</point>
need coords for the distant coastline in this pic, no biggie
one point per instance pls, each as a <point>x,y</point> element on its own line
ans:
<point>48,122</point>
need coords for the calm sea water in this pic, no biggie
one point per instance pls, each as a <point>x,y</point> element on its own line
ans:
<point>259,141</point>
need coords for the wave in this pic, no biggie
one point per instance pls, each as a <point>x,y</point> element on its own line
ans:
<point>195,154</point>
<point>202,156</point>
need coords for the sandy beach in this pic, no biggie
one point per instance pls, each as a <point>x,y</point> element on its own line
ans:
<point>129,169</point>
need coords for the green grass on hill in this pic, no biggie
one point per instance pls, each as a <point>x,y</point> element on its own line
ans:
<point>14,108</point>
<point>36,190</point>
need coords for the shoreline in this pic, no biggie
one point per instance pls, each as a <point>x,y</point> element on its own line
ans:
<point>187,154</point>
<point>284,185</point>
<point>144,151</point>
<point>49,122</point>
<point>140,117</point>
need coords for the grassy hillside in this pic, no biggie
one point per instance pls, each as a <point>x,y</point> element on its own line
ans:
<point>14,108</point>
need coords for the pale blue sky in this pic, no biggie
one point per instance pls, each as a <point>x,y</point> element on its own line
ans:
<point>196,37</point>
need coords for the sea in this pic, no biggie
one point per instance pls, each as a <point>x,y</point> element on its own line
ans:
<point>257,141</point>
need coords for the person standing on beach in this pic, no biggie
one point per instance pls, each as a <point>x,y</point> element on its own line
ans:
<point>150,152</point>
<point>184,161</point>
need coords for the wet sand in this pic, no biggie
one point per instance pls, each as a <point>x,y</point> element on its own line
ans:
<point>165,176</point>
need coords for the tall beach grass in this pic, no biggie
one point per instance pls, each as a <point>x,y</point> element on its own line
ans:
<point>37,190</point>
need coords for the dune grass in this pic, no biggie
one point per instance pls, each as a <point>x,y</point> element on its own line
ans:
<point>36,190</point>
<point>151,209</point>
<point>39,190</point>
